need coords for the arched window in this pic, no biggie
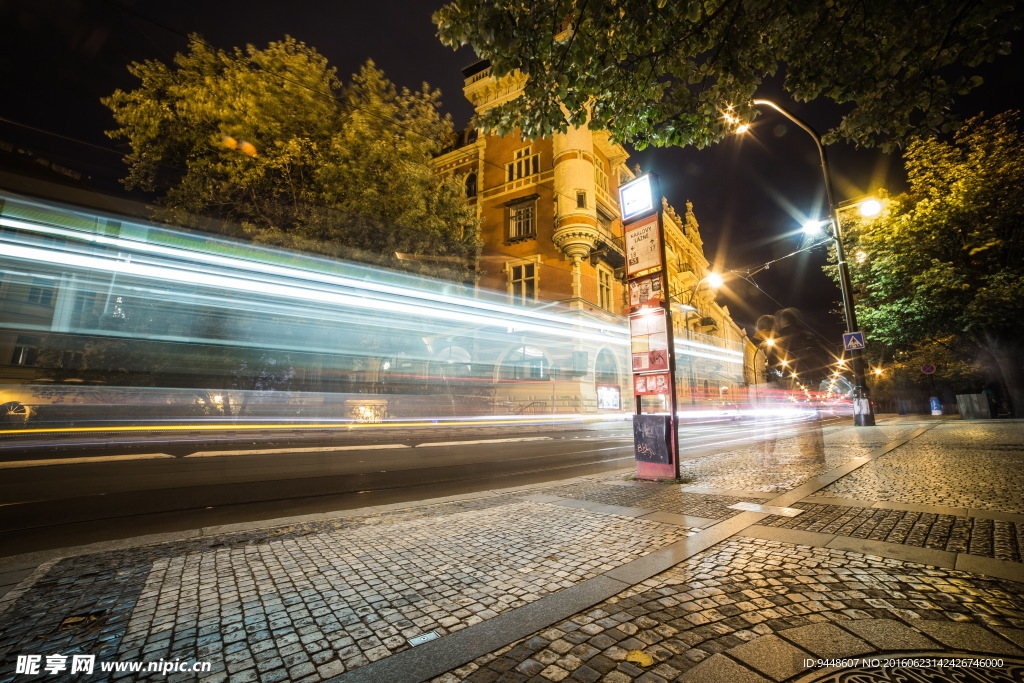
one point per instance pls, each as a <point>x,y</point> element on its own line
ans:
<point>452,362</point>
<point>605,369</point>
<point>606,379</point>
<point>471,185</point>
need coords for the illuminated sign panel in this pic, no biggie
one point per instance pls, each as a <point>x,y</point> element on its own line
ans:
<point>609,397</point>
<point>636,198</point>
<point>643,246</point>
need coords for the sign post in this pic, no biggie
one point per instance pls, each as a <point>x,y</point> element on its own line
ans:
<point>652,348</point>
<point>934,403</point>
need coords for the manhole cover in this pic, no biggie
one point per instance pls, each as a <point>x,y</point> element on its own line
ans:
<point>920,667</point>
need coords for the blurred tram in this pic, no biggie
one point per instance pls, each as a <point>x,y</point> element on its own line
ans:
<point>107,320</point>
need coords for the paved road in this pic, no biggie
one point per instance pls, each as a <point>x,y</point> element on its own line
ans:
<point>881,550</point>
<point>87,493</point>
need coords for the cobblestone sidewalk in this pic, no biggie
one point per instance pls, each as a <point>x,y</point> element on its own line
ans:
<point>756,610</point>
<point>595,579</point>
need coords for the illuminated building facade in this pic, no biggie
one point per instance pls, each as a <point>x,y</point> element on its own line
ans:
<point>552,234</point>
<point>552,241</point>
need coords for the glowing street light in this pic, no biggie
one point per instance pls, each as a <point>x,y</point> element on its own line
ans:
<point>862,411</point>
<point>869,208</point>
<point>814,227</point>
<point>712,280</point>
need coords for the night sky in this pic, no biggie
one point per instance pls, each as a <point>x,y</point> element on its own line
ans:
<point>749,193</point>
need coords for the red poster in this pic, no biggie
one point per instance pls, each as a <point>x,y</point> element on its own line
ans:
<point>651,384</point>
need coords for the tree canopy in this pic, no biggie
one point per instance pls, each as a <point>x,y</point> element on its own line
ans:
<point>271,140</point>
<point>947,257</point>
<point>654,72</point>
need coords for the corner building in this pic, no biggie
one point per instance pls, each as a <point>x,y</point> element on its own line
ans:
<point>552,235</point>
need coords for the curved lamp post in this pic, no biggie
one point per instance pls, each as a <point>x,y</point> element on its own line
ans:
<point>713,281</point>
<point>863,415</point>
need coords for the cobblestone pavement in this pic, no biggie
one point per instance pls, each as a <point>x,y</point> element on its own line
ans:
<point>651,497</point>
<point>314,601</point>
<point>787,458</point>
<point>599,578</point>
<point>936,471</point>
<point>770,606</point>
<point>974,535</point>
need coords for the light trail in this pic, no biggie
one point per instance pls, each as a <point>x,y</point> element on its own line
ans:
<point>363,426</point>
<point>259,339</point>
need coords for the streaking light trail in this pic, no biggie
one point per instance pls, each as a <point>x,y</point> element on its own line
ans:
<point>116,323</point>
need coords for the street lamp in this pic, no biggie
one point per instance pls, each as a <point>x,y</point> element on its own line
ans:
<point>862,413</point>
<point>713,281</point>
<point>869,208</point>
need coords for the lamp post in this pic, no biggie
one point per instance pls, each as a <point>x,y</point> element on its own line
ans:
<point>714,281</point>
<point>863,415</point>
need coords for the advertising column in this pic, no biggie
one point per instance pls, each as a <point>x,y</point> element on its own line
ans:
<point>655,433</point>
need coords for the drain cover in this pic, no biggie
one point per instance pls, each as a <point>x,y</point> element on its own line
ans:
<point>770,509</point>
<point>423,638</point>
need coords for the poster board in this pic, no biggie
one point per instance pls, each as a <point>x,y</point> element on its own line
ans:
<point>646,291</point>
<point>648,336</point>
<point>643,245</point>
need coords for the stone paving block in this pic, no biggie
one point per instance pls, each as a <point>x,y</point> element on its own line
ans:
<point>721,668</point>
<point>961,636</point>
<point>585,674</point>
<point>268,585</point>
<point>889,635</point>
<point>1014,635</point>
<point>772,656</point>
<point>826,641</point>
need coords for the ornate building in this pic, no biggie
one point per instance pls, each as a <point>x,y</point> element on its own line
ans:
<point>552,234</point>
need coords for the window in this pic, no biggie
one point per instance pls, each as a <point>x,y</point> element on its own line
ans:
<point>523,282</point>
<point>525,362</point>
<point>606,377</point>
<point>41,293</point>
<point>604,289</point>
<point>85,302</point>
<point>600,177</point>
<point>471,185</point>
<point>522,218</point>
<point>71,360</point>
<point>604,219</point>
<point>581,199</point>
<point>453,362</point>
<point>26,351</point>
<point>523,164</point>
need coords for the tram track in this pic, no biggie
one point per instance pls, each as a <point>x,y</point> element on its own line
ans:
<point>73,501</point>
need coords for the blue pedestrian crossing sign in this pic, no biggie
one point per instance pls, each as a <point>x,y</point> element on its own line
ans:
<point>853,341</point>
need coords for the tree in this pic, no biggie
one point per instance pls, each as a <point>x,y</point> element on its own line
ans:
<point>663,73</point>
<point>270,140</point>
<point>947,258</point>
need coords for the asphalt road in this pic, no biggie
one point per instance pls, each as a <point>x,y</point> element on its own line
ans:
<point>77,493</point>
